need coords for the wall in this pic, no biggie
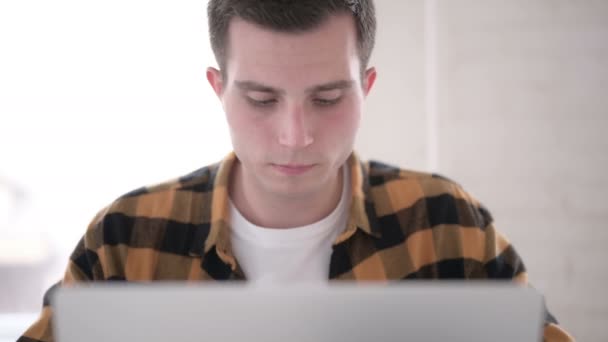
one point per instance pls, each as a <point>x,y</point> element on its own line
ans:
<point>519,90</point>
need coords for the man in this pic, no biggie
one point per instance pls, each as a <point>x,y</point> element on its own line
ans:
<point>293,203</point>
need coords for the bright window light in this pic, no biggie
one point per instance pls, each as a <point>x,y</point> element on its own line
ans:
<point>96,98</point>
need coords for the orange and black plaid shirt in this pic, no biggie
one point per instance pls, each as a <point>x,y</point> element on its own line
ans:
<point>402,225</point>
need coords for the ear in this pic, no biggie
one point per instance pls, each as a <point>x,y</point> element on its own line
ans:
<point>368,80</point>
<point>214,77</point>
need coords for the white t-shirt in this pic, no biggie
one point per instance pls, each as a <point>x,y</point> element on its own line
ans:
<point>299,254</point>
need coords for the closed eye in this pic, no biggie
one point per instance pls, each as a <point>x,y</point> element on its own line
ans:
<point>326,102</point>
<point>261,103</point>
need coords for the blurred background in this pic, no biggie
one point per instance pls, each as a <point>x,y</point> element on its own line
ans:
<point>507,97</point>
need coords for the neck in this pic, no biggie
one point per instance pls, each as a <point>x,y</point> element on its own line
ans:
<point>273,210</point>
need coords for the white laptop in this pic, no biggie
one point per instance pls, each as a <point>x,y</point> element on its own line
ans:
<point>407,311</point>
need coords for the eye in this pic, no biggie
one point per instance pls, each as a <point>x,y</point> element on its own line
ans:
<point>324,102</point>
<point>261,102</point>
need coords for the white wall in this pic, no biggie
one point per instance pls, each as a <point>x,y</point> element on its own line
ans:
<point>521,118</point>
<point>393,127</point>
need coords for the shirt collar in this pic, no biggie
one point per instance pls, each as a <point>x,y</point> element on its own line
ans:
<point>361,212</point>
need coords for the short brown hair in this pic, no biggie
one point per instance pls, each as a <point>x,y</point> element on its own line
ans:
<point>289,16</point>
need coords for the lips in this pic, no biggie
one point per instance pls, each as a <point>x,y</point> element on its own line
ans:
<point>293,169</point>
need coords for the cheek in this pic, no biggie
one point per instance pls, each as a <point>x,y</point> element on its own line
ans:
<point>247,127</point>
<point>236,115</point>
<point>343,123</point>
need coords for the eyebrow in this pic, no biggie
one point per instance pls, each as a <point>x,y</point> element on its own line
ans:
<point>255,86</point>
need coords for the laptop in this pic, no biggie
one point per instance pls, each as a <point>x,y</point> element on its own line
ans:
<point>405,311</point>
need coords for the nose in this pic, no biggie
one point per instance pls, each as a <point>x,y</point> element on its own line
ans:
<point>294,131</point>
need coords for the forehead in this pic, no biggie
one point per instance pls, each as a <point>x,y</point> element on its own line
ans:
<point>329,50</point>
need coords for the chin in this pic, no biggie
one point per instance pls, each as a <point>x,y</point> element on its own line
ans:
<point>295,186</point>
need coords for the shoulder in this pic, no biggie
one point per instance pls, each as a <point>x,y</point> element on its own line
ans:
<point>198,181</point>
<point>154,208</point>
<point>393,189</point>
<point>399,181</point>
<point>443,227</point>
<point>380,173</point>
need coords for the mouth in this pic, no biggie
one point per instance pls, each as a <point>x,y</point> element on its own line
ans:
<point>293,169</point>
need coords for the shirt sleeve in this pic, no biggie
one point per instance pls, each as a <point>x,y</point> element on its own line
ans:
<point>83,266</point>
<point>501,261</point>
<point>507,263</point>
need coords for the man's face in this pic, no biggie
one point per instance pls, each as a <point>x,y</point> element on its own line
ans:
<point>293,104</point>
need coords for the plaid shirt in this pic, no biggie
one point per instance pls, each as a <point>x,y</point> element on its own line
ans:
<point>402,225</point>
